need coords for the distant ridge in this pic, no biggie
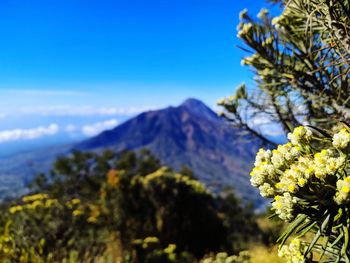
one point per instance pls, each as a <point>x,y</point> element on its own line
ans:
<point>190,134</point>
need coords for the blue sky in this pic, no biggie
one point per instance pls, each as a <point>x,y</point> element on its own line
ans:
<point>84,62</point>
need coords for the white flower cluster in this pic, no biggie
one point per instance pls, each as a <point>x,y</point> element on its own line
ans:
<point>293,252</point>
<point>341,140</point>
<point>223,257</point>
<point>279,21</point>
<point>245,29</point>
<point>300,135</point>
<point>276,20</point>
<point>343,191</point>
<point>221,102</point>
<point>284,155</point>
<point>326,163</point>
<point>268,41</point>
<point>284,206</point>
<point>295,167</point>
<point>272,166</point>
<point>263,13</point>
<point>266,73</point>
<point>225,102</point>
<point>296,176</point>
<point>262,156</point>
<point>259,175</point>
<point>266,190</point>
<point>250,60</point>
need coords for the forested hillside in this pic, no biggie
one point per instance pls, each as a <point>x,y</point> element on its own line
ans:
<point>122,208</point>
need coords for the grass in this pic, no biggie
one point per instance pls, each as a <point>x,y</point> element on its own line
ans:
<point>262,254</point>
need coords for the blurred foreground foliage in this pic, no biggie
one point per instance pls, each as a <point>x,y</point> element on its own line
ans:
<point>122,207</point>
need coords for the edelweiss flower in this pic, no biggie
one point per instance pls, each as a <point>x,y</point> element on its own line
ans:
<point>343,191</point>
<point>300,135</point>
<point>341,139</point>
<point>284,206</point>
<point>292,253</point>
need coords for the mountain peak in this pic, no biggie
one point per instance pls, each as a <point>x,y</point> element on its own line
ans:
<point>192,102</point>
<point>198,108</point>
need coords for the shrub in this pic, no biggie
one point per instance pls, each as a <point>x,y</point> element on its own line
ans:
<point>308,179</point>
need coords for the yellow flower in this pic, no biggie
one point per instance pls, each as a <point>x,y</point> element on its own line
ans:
<point>298,131</point>
<point>343,193</point>
<point>255,170</point>
<point>298,148</point>
<point>301,182</point>
<point>291,188</point>
<point>310,171</point>
<point>92,219</point>
<point>324,152</point>
<point>75,201</point>
<point>15,209</point>
<point>94,213</point>
<point>279,185</point>
<point>50,202</point>
<point>113,178</point>
<point>151,240</point>
<point>35,204</point>
<point>77,212</point>
<point>345,189</point>
<point>31,198</point>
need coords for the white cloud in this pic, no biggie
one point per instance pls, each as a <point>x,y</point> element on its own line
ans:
<point>28,134</point>
<point>96,128</point>
<point>65,110</point>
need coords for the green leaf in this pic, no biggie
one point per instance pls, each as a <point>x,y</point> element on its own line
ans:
<point>313,242</point>
<point>346,242</point>
<point>323,132</point>
<point>272,216</point>
<point>340,236</point>
<point>290,229</point>
<point>318,234</point>
<point>305,229</point>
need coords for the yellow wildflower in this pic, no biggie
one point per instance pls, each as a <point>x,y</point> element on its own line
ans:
<point>15,209</point>
<point>77,212</point>
<point>113,178</point>
<point>31,198</point>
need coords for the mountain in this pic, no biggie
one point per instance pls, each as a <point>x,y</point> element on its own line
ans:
<point>190,134</point>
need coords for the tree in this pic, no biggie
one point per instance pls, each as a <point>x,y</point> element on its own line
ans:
<point>152,213</point>
<point>300,65</point>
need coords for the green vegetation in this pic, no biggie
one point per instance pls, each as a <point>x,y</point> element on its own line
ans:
<point>300,60</point>
<point>126,207</point>
<point>308,179</point>
<point>122,208</point>
<point>301,64</point>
